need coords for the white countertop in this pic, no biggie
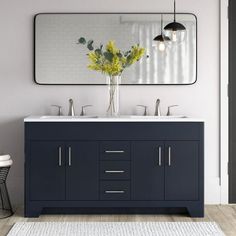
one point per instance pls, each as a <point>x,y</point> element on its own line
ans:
<point>124,118</point>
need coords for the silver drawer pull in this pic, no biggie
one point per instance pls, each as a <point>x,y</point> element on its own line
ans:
<point>169,156</point>
<point>115,151</point>
<point>59,156</point>
<point>114,191</point>
<point>159,156</point>
<point>69,150</point>
<point>114,171</point>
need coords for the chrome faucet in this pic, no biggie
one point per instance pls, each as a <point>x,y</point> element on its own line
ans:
<point>157,110</point>
<point>71,108</point>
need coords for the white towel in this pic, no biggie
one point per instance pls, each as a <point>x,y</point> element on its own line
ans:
<point>6,163</point>
<point>5,157</point>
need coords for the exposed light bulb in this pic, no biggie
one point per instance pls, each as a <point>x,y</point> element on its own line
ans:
<point>161,46</point>
<point>174,36</point>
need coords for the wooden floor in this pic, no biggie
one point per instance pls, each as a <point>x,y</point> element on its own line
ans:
<point>223,215</point>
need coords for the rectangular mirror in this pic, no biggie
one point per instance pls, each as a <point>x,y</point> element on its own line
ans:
<point>60,60</point>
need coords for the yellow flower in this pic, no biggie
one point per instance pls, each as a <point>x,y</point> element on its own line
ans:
<point>114,67</point>
<point>93,57</point>
<point>111,47</point>
<point>136,53</point>
<point>95,67</point>
<point>113,61</point>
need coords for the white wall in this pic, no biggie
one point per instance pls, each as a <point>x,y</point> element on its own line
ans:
<point>20,96</point>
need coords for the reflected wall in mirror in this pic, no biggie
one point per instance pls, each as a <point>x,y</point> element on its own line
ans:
<point>60,60</point>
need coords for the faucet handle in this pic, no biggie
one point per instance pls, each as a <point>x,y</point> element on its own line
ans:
<point>59,109</point>
<point>145,109</point>
<point>83,109</point>
<point>169,108</point>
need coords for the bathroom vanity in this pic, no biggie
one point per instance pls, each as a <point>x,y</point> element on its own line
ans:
<point>114,165</point>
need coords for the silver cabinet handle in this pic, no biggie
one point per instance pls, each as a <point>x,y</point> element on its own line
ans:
<point>115,151</point>
<point>69,152</point>
<point>159,156</point>
<point>169,156</point>
<point>59,156</point>
<point>114,171</point>
<point>114,191</point>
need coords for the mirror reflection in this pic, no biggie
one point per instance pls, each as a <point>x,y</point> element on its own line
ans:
<point>59,59</point>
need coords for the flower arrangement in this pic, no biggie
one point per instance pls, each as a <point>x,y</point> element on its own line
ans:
<point>111,60</point>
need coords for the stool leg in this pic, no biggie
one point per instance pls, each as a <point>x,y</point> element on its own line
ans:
<point>1,196</point>
<point>8,198</point>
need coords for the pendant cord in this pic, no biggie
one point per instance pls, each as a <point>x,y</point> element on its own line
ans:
<point>174,11</point>
<point>161,24</point>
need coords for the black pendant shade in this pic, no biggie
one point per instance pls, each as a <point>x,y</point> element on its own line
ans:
<point>174,26</point>
<point>161,38</point>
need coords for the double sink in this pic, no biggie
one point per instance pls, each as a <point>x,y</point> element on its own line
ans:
<point>107,117</point>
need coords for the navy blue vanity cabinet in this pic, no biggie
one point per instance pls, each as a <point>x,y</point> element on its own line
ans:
<point>46,171</point>
<point>165,170</point>
<point>148,170</point>
<point>60,171</point>
<point>64,171</point>
<point>182,170</point>
<point>82,171</point>
<point>114,167</point>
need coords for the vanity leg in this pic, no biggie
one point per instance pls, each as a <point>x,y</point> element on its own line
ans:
<point>33,212</point>
<point>196,211</point>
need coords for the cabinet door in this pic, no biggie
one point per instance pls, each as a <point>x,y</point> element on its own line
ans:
<point>147,170</point>
<point>82,171</point>
<point>181,172</point>
<point>47,171</point>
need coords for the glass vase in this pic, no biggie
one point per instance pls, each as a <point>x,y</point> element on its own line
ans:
<point>113,83</point>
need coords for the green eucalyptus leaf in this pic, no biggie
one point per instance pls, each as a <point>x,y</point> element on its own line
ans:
<point>90,42</point>
<point>127,53</point>
<point>119,54</point>
<point>82,40</point>
<point>90,47</point>
<point>109,56</point>
<point>129,58</point>
<point>98,51</point>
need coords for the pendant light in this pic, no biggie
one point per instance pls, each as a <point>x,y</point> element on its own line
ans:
<point>175,29</point>
<point>161,39</point>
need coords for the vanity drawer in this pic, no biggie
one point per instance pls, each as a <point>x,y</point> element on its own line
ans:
<point>115,170</point>
<point>115,190</point>
<point>115,150</point>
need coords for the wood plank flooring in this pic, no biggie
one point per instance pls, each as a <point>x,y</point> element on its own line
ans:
<point>223,215</point>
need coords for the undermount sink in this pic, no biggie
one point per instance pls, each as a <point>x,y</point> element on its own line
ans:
<point>156,117</point>
<point>116,117</point>
<point>67,117</point>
